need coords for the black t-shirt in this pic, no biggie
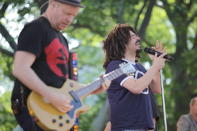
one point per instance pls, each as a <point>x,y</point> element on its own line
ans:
<point>51,50</point>
<point>128,110</point>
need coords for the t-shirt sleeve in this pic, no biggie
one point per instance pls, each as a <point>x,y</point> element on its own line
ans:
<point>31,38</point>
<point>113,65</point>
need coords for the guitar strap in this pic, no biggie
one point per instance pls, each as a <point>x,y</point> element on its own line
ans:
<point>19,97</point>
<point>73,74</point>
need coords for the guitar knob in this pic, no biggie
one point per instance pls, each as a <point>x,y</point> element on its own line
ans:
<point>61,124</point>
<point>60,117</point>
<point>35,119</point>
<point>54,121</point>
<point>67,121</point>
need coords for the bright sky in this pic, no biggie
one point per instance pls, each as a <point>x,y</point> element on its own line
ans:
<point>2,90</point>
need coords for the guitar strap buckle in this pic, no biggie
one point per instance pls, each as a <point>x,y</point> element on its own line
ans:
<point>16,106</point>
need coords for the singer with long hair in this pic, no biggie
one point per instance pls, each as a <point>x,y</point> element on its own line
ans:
<point>129,95</point>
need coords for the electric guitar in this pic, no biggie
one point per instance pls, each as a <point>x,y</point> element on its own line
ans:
<point>51,119</point>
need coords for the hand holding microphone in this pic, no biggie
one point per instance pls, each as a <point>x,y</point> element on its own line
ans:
<point>152,52</point>
<point>157,55</point>
<point>158,50</point>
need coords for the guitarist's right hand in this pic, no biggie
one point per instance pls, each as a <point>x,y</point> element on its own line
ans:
<point>59,100</point>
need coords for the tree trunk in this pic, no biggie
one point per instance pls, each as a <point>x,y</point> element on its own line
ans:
<point>146,20</point>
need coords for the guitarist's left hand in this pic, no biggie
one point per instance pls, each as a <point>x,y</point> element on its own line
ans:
<point>103,87</point>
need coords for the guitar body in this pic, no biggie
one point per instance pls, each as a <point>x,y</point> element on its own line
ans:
<point>48,117</point>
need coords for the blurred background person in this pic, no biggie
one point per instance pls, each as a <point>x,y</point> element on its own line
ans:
<point>188,122</point>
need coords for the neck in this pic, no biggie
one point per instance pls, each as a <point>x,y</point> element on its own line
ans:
<point>130,57</point>
<point>194,115</point>
<point>47,16</point>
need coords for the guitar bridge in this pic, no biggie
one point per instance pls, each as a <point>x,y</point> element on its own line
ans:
<point>74,96</point>
<point>76,102</point>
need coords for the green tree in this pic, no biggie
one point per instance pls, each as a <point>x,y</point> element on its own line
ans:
<point>6,118</point>
<point>183,16</point>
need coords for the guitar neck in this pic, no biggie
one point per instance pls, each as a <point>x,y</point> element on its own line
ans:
<point>97,84</point>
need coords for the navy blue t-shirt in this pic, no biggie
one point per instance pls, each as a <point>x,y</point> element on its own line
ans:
<point>128,110</point>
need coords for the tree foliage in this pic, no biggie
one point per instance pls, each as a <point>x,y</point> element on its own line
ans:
<point>6,117</point>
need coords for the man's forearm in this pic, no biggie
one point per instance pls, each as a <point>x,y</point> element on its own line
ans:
<point>156,83</point>
<point>28,77</point>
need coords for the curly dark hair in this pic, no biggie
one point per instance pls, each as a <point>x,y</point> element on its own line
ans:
<point>115,44</point>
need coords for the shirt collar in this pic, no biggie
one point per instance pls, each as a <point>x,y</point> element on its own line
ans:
<point>129,61</point>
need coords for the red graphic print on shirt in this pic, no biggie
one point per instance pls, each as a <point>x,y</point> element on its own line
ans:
<point>56,54</point>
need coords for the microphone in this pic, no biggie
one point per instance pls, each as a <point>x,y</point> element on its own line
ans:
<point>152,51</point>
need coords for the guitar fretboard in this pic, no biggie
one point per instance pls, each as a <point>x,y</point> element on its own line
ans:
<point>96,84</point>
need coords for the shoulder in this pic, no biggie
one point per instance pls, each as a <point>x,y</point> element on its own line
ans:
<point>114,64</point>
<point>36,22</point>
<point>36,25</point>
<point>185,117</point>
<point>184,120</point>
<point>33,29</point>
<point>116,61</point>
<point>184,123</point>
